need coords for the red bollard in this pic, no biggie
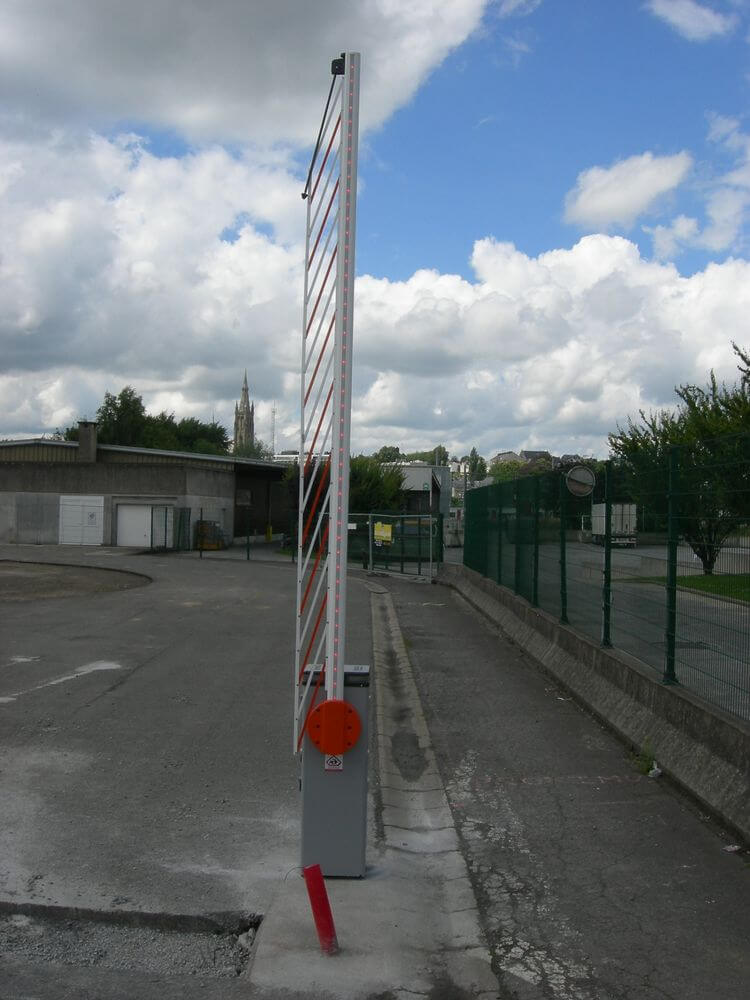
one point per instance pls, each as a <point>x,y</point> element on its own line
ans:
<point>321,908</point>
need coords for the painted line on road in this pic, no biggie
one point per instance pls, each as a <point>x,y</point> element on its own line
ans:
<point>87,668</point>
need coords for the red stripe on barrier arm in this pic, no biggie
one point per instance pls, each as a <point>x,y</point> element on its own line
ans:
<point>321,909</point>
<point>325,158</point>
<point>311,452</point>
<point>321,677</point>
<point>322,289</point>
<point>320,358</point>
<point>323,223</point>
<point>314,507</point>
<point>315,567</point>
<point>309,648</point>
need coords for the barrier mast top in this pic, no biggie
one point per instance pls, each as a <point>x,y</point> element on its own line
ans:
<point>325,396</point>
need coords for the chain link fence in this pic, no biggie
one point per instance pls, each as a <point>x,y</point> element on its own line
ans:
<point>655,562</point>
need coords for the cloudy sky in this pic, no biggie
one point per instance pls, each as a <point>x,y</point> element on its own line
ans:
<point>553,210</point>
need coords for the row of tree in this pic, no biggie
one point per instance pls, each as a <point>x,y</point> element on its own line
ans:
<point>123,420</point>
<point>697,454</point>
<point>477,466</point>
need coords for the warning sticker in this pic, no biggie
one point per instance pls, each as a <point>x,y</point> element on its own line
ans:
<point>334,762</point>
<point>382,533</point>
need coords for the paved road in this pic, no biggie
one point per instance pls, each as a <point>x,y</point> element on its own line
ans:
<point>593,880</point>
<point>145,769</point>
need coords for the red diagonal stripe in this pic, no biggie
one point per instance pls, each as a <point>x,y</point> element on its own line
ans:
<point>324,476</point>
<point>322,287</point>
<point>320,357</point>
<point>317,430</point>
<point>323,223</point>
<point>325,158</point>
<point>315,567</point>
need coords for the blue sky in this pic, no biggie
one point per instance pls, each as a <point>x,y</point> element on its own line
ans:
<point>553,210</point>
<point>496,137</point>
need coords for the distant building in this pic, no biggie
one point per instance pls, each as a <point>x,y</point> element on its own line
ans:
<point>244,418</point>
<point>426,488</point>
<point>85,493</point>
<point>535,456</point>
<point>506,456</point>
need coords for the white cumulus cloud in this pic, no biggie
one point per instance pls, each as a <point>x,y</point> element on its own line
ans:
<point>726,200</point>
<point>231,69</point>
<point>617,195</point>
<point>695,21</point>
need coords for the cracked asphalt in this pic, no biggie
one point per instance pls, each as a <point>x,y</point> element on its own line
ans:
<point>593,880</point>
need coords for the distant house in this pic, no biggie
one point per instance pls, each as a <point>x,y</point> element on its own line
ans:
<point>505,456</point>
<point>535,456</point>
<point>426,488</point>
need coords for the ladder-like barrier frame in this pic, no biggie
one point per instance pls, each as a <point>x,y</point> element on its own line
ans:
<point>325,398</point>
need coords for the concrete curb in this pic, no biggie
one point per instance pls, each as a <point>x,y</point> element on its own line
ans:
<point>703,749</point>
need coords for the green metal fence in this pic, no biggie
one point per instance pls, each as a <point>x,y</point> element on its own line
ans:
<point>627,565</point>
<point>403,543</point>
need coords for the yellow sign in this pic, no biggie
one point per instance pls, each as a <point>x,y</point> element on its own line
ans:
<point>383,533</point>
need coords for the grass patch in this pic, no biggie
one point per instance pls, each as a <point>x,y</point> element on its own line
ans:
<point>734,585</point>
<point>644,759</point>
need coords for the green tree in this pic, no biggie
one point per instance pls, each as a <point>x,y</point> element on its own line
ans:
<point>374,486</point>
<point>710,434</point>
<point>258,449</point>
<point>477,466</point>
<point>505,472</point>
<point>202,436</point>
<point>161,432</point>
<point>433,456</point>
<point>121,419</point>
<point>388,453</point>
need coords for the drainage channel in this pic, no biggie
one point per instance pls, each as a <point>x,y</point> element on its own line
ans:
<point>214,945</point>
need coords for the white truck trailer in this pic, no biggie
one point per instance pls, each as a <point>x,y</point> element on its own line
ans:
<point>623,523</point>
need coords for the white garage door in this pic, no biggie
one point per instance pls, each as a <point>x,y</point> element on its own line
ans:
<point>81,520</point>
<point>134,525</point>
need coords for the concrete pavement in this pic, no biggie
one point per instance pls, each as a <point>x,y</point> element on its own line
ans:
<point>149,783</point>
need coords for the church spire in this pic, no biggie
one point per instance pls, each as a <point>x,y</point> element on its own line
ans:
<point>244,418</point>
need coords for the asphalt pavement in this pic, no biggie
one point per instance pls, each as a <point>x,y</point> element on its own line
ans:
<point>149,836</point>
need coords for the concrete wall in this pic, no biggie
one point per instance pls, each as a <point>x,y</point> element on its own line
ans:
<point>700,747</point>
<point>37,518</point>
<point>8,517</point>
<point>89,479</point>
<point>30,497</point>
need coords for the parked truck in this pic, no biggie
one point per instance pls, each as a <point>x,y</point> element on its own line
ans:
<point>623,523</point>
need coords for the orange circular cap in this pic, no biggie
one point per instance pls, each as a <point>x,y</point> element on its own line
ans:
<point>334,726</point>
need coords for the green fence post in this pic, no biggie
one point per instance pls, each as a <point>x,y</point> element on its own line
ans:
<point>440,525</point>
<point>200,536</point>
<point>499,490</point>
<point>535,577</point>
<point>672,537</point>
<point>563,556</point>
<point>369,538</point>
<point>419,546</point>
<point>402,544</point>
<point>607,585</point>
<point>517,540</point>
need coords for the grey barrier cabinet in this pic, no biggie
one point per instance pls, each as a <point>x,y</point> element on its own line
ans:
<point>334,801</point>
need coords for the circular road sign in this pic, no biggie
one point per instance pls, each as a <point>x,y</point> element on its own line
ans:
<point>580,480</point>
